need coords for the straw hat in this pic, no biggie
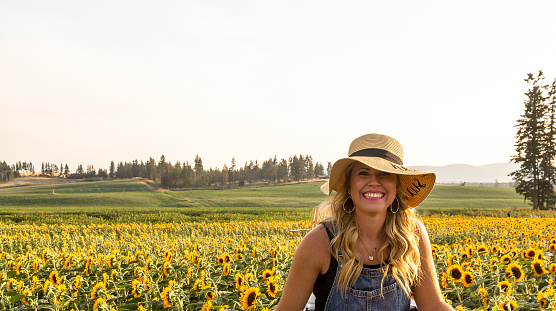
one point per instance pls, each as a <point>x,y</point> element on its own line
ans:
<point>385,154</point>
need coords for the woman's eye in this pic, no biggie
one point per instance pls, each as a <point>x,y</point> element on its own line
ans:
<point>384,174</point>
<point>363,173</point>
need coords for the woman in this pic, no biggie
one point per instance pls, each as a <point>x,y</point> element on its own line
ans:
<point>370,252</point>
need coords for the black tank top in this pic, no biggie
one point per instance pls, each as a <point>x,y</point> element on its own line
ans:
<point>324,282</point>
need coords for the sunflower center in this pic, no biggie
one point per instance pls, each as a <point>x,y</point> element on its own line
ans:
<point>251,299</point>
<point>538,268</point>
<point>456,274</point>
<point>468,278</point>
<point>516,272</point>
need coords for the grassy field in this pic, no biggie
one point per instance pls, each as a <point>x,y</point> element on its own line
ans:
<point>133,201</point>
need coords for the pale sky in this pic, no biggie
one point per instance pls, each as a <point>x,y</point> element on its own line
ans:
<point>87,82</point>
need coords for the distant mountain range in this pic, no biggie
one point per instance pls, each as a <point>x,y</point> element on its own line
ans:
<point>457,173</point>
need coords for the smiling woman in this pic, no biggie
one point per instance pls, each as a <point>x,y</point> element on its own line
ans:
<point>367,249</point>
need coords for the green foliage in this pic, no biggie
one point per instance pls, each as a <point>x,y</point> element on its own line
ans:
<point>535,144</point>
<point>131,200</point>
<point>6,173</point>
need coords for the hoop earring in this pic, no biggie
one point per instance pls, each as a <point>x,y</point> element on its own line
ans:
<point>392,209</point>
<point>344,205</point>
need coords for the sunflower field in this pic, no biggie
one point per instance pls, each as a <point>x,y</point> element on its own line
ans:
<point>483,263</point>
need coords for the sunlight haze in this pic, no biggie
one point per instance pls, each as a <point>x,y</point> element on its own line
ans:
<point>90,82</point>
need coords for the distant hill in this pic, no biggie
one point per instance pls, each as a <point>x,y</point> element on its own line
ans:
<point>456,173</point>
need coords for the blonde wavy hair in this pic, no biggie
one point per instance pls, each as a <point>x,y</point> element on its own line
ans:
<point>400,231</point>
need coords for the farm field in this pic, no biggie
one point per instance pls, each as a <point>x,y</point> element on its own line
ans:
<point>206,250</point>
<point>133,201</point>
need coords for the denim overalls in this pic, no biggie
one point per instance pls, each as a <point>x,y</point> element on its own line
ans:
<point>366,294</point>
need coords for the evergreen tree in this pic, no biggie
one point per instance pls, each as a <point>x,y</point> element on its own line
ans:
<point>232,169</point>
<point>225,173</point>
<point>79,171</point>
<point>199,172</point>
<point>531,142</point>
<point>549,151</point>
<point>112,169</point>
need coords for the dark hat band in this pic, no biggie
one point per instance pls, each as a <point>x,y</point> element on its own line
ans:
<point>377,153</point>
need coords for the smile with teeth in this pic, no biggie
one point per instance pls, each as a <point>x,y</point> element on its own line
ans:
<point>373,195</point>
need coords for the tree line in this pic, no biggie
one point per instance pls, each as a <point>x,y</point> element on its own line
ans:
<point>186,175</point>
<point>536,143</point>
<point>7,173</point>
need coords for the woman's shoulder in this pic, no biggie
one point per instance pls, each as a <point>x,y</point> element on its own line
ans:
<point>420,228</point>
<point>318,235</point>
<point>314,249</point>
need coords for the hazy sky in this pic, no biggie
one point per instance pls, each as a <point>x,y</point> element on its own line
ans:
<point>87,82</point>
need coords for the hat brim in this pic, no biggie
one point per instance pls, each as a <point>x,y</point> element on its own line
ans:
<point>414,187</point>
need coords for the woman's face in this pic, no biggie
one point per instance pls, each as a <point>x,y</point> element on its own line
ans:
<point>371,190</point>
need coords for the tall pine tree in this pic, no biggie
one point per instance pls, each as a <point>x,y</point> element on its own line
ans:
<point>535,147</point>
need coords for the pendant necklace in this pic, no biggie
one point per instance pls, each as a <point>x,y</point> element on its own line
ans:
<point>371,256</point>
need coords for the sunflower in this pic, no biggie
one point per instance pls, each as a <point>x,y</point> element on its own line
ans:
<point>248,299</point>
<point>26,293</point>
<point>494,249</point>
<point>552,247</point>
<point>148,286</point>
<point>207,306</point>
<point>134,285</point>
<point>165,295</point>
<point>513,252</point>
<point>506,259</point>
<point>530,253</point>
<point>538,268</point>
<point>36,265</point>
<point>467,279</point>
<point>96,289</point>
<point>220,260</point>
<point>455,272</point>
<point>68,262</point>
<point>165,268</point>
<point>210,295</point>
<point>482,248</point>
<point>199,283</point>
<point>76,284</point>
<point>239,280</point>
<point>513,304</point>
<point>267,273</point>
<point>100,303</point>
<point>227,258</point>
<point>34,281</point>
<point>226,269</point>
<point>9,284</point>
<point>444,282</point>
<point>504,286</point>
<point>46,286</point>
<point>543,303</point>
<point>482,292</point>
<point>515,270</point>
<point>54,278</point>
<point>552,268</point>
<point>272,287</point>
<point>470,251</point>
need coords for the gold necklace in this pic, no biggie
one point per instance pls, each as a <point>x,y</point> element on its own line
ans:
<point>371,256</point>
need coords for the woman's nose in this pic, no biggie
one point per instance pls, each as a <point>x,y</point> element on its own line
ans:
<point>374,179</point>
